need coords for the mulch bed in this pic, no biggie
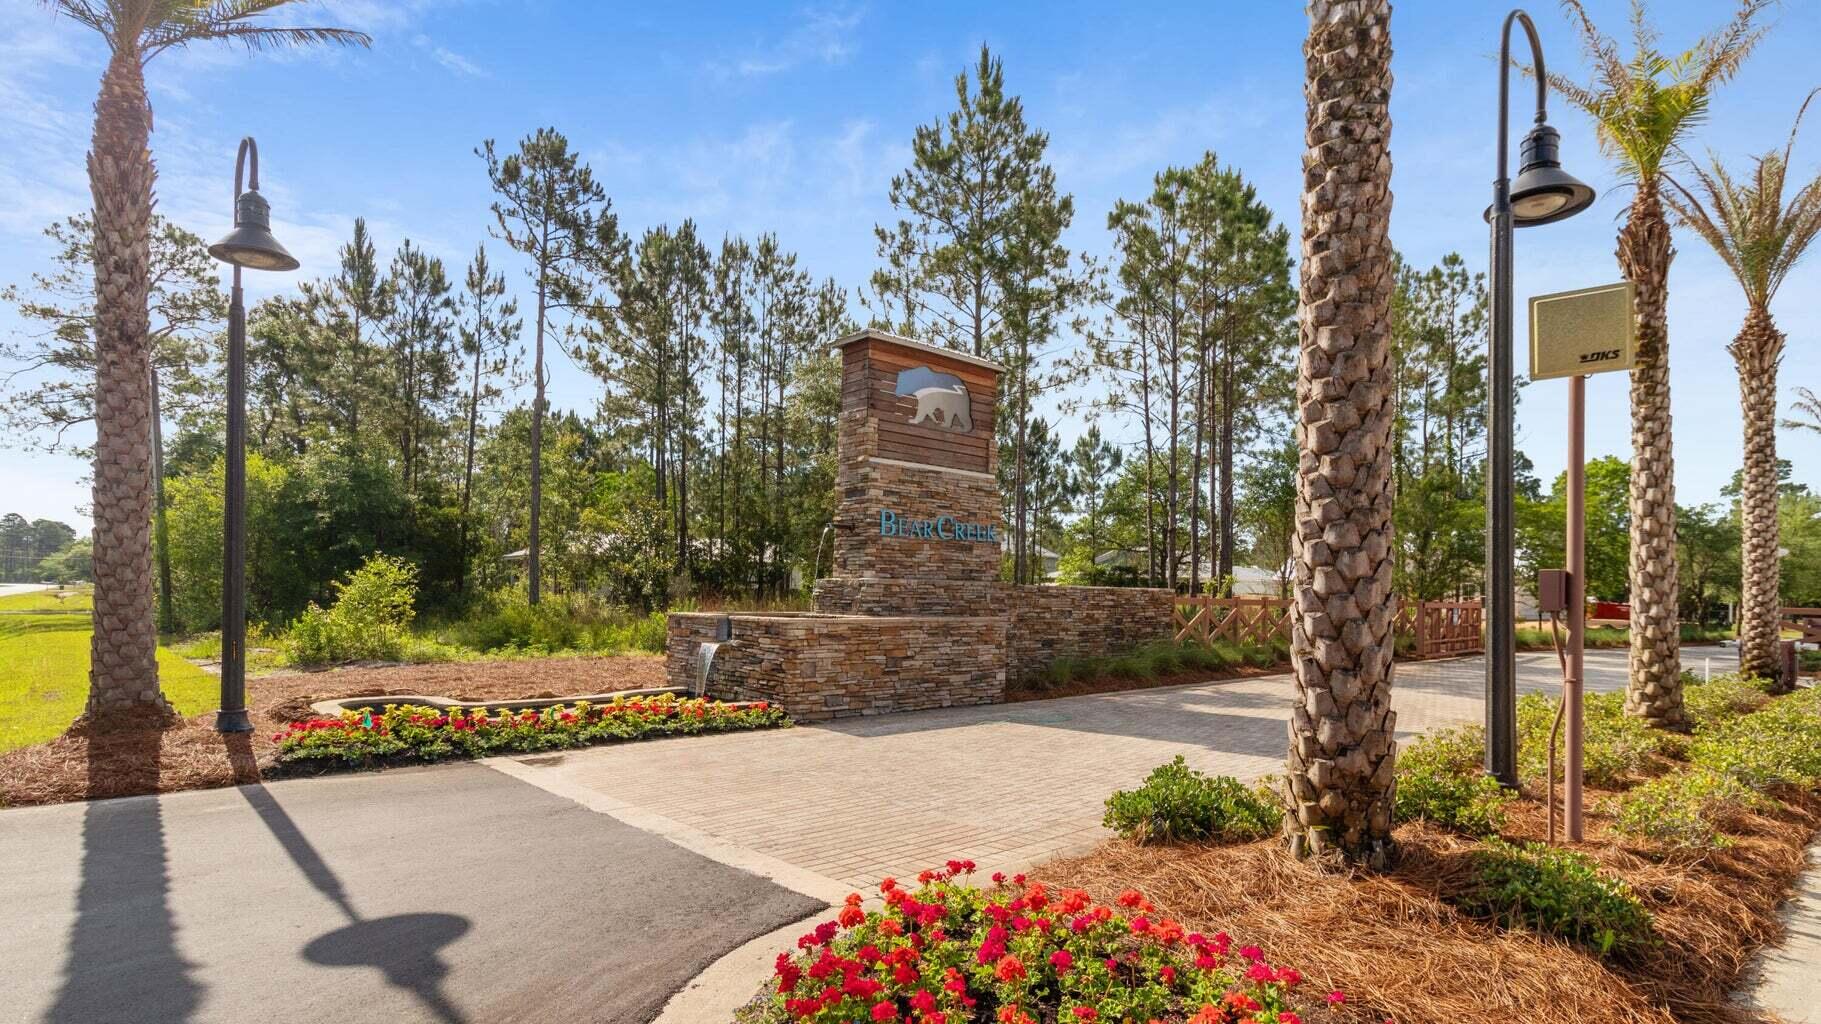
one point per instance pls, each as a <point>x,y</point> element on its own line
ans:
<point>1392,943</point>
<point>153,756</point>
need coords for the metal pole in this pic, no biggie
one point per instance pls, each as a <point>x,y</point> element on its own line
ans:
<point>1501,569</point>
<point>1576,545</point>
<point>233,714</point>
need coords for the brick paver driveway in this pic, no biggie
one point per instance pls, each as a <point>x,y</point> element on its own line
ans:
<point>1006,785</point>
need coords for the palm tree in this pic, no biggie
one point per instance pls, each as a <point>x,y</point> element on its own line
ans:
<point>1641,109</point>
<point>1760,239</point>
<point>1338,772</point>
<point>123,669</point>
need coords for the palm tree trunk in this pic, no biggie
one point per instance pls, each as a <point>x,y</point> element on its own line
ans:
<point>1339,769</point>
<point>1757,352</point>
<point>1654,692</point>
<point>123,666</point>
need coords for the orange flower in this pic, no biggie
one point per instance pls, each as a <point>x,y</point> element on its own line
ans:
<point>1009,968</point>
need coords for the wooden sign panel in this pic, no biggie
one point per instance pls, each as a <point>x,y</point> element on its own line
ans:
<point>1588,330</point>
<point>930,406</point>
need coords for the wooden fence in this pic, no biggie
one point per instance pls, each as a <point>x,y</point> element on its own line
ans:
<point>1437,629</point>
<point>1806,622</point>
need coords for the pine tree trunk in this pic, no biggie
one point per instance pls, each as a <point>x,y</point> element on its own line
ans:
<point>533,567</point>
<point>474,412</point>
<point>1339,770</point>
<point>123,666</point>
<point>1654,692</point>
<point>161,533</point>
<point>1758,351</point>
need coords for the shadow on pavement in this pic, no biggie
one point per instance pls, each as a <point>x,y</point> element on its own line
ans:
<point>123,962</point>
<point>403,947</point>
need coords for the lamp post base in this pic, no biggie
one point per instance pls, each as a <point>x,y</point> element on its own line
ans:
<point>233,721</point>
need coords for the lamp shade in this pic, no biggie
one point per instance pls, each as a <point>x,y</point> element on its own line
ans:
<point>251,244</point>
<point>1544,193</point>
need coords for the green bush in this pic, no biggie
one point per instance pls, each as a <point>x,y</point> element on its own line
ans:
<point>1177,803</point>
<point>507,624</point>
<point>1714,703</point>
<point>1616,747</point>
<point>1439,780</point>
<point>1683,810</point>
<point>369,620</point>
<point>1777,744</point>
<point>1557,892</point>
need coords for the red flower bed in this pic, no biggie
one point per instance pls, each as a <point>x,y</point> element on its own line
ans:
<point>1017,953</point>
<point>412,732</point>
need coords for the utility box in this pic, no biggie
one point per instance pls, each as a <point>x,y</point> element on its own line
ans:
<point>1552,590</point>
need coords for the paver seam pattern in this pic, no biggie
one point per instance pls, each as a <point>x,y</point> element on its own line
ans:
<point>1006,785</point>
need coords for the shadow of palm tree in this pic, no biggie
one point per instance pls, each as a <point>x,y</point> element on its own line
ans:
<point>123,963</point>
<point>405,948</point>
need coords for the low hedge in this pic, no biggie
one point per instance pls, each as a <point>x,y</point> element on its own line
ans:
<point>407,732</point>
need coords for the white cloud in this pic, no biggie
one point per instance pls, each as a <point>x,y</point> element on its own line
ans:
<point>449,58</point>
<point>822,35</point>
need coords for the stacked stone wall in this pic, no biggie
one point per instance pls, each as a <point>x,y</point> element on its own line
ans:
<point>867,485</point>
<point>684,635</point>
<point>1083,622</point>
<point>822,667</point>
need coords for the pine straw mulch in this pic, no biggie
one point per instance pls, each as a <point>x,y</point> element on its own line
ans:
<point>151,755</point>
<point>1397,949</point>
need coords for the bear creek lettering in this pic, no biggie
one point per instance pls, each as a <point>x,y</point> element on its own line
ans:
<point>944,527</point>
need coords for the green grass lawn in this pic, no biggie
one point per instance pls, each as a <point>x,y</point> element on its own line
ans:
<point>70,599</point>
<point>44,669</point>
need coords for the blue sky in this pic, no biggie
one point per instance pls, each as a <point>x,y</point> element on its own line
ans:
<point>792,118</point>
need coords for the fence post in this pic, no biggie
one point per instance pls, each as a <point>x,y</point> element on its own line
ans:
<point>1422,632</point>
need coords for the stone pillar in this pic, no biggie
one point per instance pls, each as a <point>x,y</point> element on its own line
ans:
<point>917,492</point>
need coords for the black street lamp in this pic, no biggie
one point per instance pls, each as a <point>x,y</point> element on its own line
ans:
<point>1542,194</point>
<point>249,245</point>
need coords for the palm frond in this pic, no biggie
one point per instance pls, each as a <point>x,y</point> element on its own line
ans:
<point>1746,221</point>
<point>188,21</point>
<point>1644,106</point>
<point>1808,406</point>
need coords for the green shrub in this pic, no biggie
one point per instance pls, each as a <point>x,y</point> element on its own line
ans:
<point>368,621</point>
<point>1557,892</point>
<point>1778,744</point>
<point>1714,703</point>
<point>1177,803</point>
<point>1439,780</point>
<point>1615,749</point>
<point>506,623</point>
<point>1683,810</point>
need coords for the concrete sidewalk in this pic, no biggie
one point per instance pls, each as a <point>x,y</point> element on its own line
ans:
<point>1787,979</point>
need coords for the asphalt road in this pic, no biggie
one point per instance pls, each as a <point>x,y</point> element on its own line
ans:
<point>449,894</point>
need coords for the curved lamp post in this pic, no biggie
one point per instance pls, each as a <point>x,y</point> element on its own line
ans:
<point>249,245</point>
<point>1542,194</point>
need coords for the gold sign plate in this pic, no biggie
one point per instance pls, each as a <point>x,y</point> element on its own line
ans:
<point>1588,330</point>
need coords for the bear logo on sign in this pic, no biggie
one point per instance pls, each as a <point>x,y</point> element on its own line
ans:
<point>942,399</point>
